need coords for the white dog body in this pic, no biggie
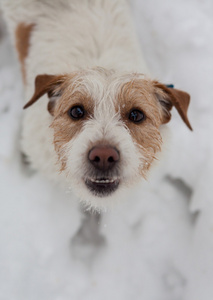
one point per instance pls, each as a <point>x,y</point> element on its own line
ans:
<point>91,47</point>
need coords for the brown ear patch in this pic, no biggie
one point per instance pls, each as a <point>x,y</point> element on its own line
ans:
<point>22,37</point>
<point>173,97</point>
<point>49,84</point>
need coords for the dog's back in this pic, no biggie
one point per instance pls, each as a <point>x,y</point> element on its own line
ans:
<point>71,35</point>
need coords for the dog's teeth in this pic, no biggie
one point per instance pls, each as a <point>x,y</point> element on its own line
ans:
<point>103,180</point>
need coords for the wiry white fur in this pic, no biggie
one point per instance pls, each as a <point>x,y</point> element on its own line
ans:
<point>106,127</point>
<point>77,166</point>
<point>71,36</point>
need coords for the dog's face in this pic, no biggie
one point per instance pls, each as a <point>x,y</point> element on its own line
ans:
<point>106,127</point>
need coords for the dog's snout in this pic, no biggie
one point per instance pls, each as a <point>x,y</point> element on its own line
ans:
<point>103,157</point>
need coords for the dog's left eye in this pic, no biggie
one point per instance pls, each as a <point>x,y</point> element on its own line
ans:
<point>136,116</point>
<point>76,112</point>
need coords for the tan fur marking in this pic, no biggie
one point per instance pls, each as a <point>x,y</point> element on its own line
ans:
<point>139,94</point>
<point>65,128</point>
<point>22,35</point>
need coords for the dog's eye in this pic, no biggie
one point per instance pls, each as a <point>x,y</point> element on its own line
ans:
<point>136,116</point>
<point>76,112</point>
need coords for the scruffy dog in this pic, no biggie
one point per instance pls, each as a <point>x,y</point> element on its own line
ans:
<point>93,119</point>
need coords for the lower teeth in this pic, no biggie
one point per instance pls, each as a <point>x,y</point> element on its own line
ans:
<point>102,181</point>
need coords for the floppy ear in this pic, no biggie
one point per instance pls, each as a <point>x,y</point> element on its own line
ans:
<point>170,97</point>
<point>50,84</point>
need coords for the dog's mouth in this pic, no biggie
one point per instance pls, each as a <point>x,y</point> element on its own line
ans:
<point>102,187</point>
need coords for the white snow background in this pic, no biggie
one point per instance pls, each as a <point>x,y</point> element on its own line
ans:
<point>159,245</point>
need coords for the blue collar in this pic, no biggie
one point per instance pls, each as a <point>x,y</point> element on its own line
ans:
<point>171,86</point>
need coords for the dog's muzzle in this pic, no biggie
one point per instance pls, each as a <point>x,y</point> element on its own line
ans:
<point>104,179</point>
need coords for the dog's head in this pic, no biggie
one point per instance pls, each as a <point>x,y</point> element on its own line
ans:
<point>106,127</point>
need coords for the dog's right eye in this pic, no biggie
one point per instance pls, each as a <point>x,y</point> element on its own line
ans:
<point>76,112</point>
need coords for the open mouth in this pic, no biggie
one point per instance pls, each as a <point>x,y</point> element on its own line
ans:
<point>102,186</point>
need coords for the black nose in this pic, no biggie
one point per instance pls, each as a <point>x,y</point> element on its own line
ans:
<point>103,157</point>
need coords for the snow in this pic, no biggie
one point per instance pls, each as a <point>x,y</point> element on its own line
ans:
<point>156,246</point>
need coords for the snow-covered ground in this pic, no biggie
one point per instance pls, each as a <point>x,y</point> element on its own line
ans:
<point>158,246</point>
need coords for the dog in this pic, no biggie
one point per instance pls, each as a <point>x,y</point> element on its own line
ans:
<point>93,117</point>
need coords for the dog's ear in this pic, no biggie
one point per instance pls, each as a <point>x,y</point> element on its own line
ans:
<point>50,84</point>
<point>170,97</point>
